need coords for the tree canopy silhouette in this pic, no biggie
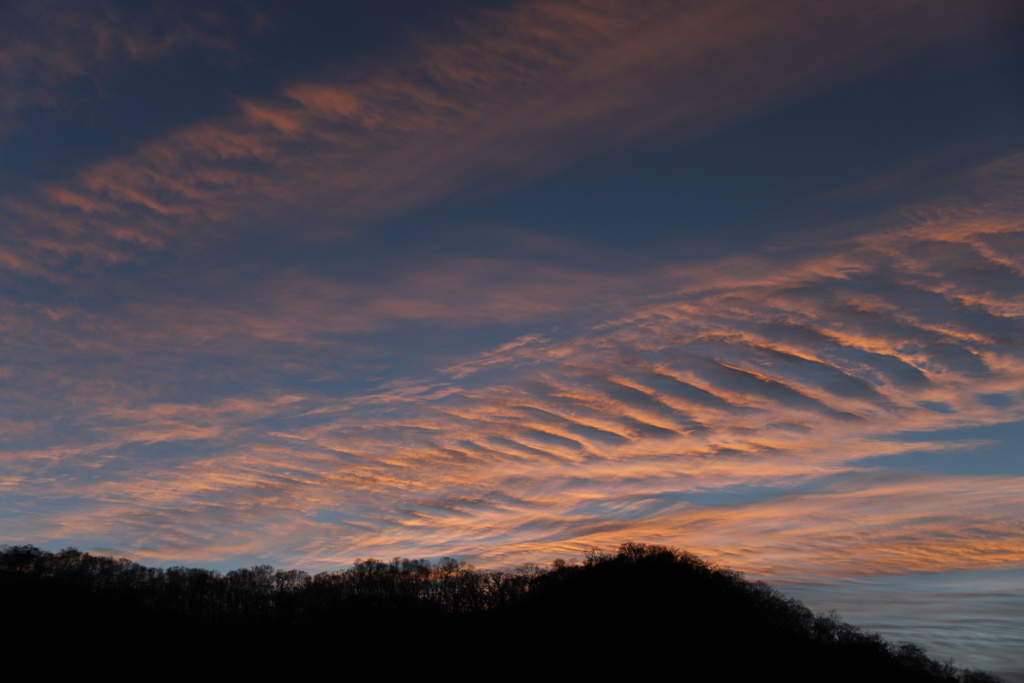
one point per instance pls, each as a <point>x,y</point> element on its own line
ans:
<point>637,610</point>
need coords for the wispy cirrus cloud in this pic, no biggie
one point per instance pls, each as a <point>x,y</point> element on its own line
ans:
<point>729,412</point>
<point>46,47</point>
<point>511,95</point>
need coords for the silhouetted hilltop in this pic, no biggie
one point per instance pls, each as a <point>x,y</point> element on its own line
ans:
<point>645,610</point>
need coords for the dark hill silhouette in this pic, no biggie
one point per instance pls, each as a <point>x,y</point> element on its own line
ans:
<point>643,611</point>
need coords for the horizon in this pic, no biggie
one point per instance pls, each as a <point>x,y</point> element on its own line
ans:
<point>504,280</point>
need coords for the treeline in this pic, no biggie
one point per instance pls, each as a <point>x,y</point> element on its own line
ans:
<point>263,594</point>
<point>633,612</point>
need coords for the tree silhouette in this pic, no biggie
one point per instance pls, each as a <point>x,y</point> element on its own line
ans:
<point>641,610</point>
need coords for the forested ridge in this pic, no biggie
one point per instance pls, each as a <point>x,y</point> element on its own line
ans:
<point>635,611</point>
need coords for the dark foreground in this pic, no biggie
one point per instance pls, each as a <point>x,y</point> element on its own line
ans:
<point>643,611</point>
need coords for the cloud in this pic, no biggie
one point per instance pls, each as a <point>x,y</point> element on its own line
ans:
<point>509,95</point>
<point>46,46</point>
<point>764,379</point>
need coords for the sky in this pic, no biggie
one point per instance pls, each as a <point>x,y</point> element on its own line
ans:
<point>508,280</point>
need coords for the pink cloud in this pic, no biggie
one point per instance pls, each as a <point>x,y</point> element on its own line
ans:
<point>768,370</point>
<point>45,44</point>
<point>514,94</point>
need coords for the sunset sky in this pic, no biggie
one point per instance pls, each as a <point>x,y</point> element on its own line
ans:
<point>299,283</point>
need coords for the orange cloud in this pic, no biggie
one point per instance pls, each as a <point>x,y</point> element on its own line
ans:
<point>773,374</point>
<point>516,93</point>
